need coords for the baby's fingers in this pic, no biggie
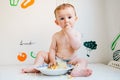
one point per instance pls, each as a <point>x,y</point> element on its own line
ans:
<point>70,62</point>
<point>73,62</point>
<point>50,64</point>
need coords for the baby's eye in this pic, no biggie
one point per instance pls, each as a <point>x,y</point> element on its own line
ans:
<point>61,18</point>
<point>69,17</point>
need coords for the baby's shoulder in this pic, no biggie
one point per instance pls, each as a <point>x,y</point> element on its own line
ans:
<point>57,33</point>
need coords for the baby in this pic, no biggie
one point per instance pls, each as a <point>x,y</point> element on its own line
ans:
<point>64,44</point>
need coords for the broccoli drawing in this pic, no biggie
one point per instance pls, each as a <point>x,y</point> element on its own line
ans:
<point>90,45</point>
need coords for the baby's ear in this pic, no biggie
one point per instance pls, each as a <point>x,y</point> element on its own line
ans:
<point>56,22</point>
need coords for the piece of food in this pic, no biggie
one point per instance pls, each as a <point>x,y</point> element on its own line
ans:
<point>53,67</point>
<point>60,65</point>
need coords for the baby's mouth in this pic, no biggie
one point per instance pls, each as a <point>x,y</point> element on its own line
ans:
<point>67,24</point>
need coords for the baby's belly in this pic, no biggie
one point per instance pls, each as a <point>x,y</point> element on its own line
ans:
<point>65,53</point>
<point>64,56</point>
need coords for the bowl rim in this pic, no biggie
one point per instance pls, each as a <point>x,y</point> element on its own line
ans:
<point>45,70</point>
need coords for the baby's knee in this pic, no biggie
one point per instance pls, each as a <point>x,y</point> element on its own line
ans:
<point>41,53</point>
<point>83,61</point>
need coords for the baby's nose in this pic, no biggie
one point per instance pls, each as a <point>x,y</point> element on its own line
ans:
<point>66,20</point>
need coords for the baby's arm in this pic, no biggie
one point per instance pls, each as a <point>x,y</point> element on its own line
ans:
<point>74,37</point>
<point>52,52</point>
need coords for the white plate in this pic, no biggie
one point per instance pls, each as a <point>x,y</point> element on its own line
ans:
<point>46,71</point>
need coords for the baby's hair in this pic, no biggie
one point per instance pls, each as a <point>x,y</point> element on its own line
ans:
<point>63,6</point>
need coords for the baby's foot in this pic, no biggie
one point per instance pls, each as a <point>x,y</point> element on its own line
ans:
<point>81,73</point>
<point>30,70</point>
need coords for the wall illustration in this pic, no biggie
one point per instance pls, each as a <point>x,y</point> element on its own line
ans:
<point>14,2</point>
<point>31,54</point>
<point>90,45</point>
<point>116,55</point>
<point>26,43</point>
<point>113,45</point>
<point>25,3</point>
<point>23,54</point>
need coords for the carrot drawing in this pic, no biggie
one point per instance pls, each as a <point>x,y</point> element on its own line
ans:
<point>22,56</point>
<point>26,4</point>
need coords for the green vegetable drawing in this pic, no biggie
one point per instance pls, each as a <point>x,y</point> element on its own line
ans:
<point>14,2</point>
<point>90,45</point>
<point>115,41</point>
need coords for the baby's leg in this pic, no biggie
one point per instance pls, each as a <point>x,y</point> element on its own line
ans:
<point>40,59</point>
<point>30,69</point>
<point>80,69</point>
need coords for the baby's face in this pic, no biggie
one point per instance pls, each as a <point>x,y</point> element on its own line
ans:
<point>66,17</point>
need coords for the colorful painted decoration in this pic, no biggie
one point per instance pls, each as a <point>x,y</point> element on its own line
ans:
<point>26,4</point>
<point>22,56</point>
<point>14,2</point>
<point>115,41</point>
<point>116,55</point>
<point>31,54</point>
<point>90,45</point>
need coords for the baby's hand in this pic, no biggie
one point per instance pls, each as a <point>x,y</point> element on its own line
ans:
<point>67,26</point>
<point>52,64</point>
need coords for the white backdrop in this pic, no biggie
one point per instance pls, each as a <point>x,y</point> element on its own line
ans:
<point>35,24</point>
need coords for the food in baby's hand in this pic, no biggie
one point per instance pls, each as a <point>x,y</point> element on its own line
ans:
<point>52,67</point>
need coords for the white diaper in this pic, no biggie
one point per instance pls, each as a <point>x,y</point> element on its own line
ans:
<point>62,60</point>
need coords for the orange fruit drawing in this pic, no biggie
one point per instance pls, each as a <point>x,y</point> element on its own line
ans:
<point>22,56</point>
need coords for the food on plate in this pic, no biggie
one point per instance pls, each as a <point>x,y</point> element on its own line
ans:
<point>52,67</point>
<point>60,65</point>
<point>61,68</point>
